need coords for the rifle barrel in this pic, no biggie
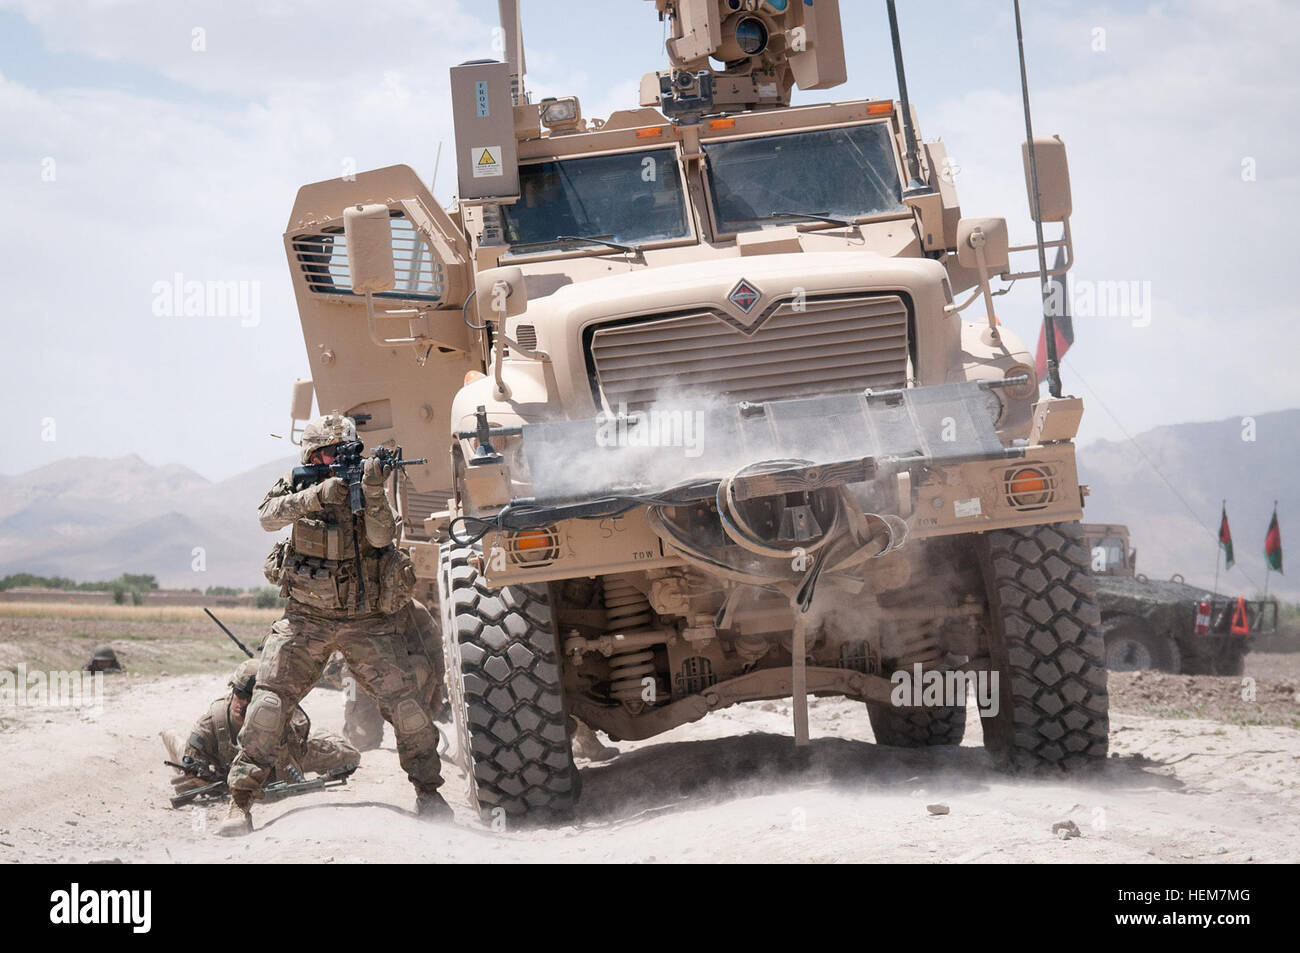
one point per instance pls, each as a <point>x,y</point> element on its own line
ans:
<point>234,638</point>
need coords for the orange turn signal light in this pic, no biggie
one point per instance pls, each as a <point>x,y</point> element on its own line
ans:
<point>722,124</point>
<point>651,132</point>
<point>532,539</point>
<point>880,109</point>
<point>472,376</point>
<point>1028,480</point>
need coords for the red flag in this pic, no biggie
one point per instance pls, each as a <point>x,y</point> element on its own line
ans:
<point>1062,323</point>
<point>1225,538</point>
<point>1273,544</point>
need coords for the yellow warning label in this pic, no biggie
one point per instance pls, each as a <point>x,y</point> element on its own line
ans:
<point>486,161</point>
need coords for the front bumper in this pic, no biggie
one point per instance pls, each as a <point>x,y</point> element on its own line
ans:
<point>930,455</point>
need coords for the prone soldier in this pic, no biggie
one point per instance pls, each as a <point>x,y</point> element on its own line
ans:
<point>212,745</point>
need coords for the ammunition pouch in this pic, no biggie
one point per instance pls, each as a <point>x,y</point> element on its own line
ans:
<point>396,580</point>
<point>323,540</point>
<point>318,568</point>
<point>273,567</point>
<point>314,582</point>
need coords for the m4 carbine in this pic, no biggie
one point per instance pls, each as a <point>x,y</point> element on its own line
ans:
<point>350,467</point>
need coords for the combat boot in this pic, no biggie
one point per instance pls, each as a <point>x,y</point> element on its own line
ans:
<point>239,817</point>
<point>429,804</point>
<point>587,745</point>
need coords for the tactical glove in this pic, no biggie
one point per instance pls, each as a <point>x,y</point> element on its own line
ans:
<point>331,491</point>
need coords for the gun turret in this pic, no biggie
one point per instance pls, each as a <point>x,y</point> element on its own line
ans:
<point>765,48</point>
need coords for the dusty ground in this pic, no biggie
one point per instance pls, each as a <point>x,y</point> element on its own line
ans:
<point>89,787</point>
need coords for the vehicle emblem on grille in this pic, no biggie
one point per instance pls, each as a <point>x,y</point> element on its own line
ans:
<point>744,296</point>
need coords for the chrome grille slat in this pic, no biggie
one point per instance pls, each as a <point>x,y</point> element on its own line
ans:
<point>887,334</point>
<point>830,347</point>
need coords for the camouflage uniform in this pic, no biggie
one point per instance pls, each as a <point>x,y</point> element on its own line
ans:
<point>213,741</point>
<point>363,725</point>
<point>318,575</point>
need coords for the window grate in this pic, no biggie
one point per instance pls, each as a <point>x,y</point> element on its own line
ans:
<point>323,258</point>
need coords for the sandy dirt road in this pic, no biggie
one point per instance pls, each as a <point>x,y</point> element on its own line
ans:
<point>91,787</point>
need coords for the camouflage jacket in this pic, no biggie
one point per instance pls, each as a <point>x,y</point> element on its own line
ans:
<point>282,506</point>
<point>318,569</point>
<point>214,739</point>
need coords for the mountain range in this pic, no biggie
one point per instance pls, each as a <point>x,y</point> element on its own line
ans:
<point>92,519</point>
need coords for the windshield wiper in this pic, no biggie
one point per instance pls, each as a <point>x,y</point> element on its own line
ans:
<point>570,239</point>
<point>813,216</point>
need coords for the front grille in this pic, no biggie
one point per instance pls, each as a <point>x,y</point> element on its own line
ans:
<point>828,346</point>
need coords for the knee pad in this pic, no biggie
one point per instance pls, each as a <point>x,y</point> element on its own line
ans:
<point>263,725</point>
<point>409,718</point>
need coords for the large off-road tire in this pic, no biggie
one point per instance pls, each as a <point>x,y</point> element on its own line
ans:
<point>1231,660</point>
<point>503,678</point>
<point>1132,646</point>
<point>917,727</point>
<point>1046,646</point>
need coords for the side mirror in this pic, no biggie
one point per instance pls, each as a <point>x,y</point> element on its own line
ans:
<point>299,408</point>
<point>1053,179</point>
<point>982,243</point>
<point>501,293</point>
<point>369,238</point>
<point>300,405</point>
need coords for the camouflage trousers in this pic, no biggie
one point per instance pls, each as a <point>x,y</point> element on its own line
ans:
<point>363,724</point>
<point>292,659</point>
<point>324,753</point>
<point>321,754</point>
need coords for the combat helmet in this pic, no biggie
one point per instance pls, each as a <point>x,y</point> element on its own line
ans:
<point>246,675</point>
<point>327,431</point>
<point>104,659</point>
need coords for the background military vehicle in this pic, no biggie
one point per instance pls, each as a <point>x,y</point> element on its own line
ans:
<point>705,422</point>
<point>1168,625</point>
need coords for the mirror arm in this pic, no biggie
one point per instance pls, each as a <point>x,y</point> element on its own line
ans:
<point>1064,242</point>
<point>981,265</point>
<point>382,341</point>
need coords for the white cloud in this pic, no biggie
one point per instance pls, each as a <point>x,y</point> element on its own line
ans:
<point>192,165</point>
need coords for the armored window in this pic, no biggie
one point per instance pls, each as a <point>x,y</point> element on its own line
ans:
<point>846,173</point>
<point>1113,547</point>
<point>323,258</point>
<point>631,197</point>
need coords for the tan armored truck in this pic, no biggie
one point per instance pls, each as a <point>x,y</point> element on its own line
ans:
<point>710,415</point>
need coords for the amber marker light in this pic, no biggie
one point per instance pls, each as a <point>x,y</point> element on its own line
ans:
<point>1028,481</point>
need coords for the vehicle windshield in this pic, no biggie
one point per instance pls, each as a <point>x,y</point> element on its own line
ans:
<point>843,173</point>
<point>632,198</point>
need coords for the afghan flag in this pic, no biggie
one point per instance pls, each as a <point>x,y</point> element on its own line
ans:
<point>1058,304</point>
<point>1273,544</point>
<point>1225,538</point>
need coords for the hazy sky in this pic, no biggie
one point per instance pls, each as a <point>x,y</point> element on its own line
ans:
<point>131,156</point>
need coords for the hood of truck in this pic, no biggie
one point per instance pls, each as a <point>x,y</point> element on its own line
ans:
<point>731,301</point>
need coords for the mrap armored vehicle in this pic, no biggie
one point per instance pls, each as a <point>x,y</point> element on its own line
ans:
<point>1168,625</point>
<point>707,415</point>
